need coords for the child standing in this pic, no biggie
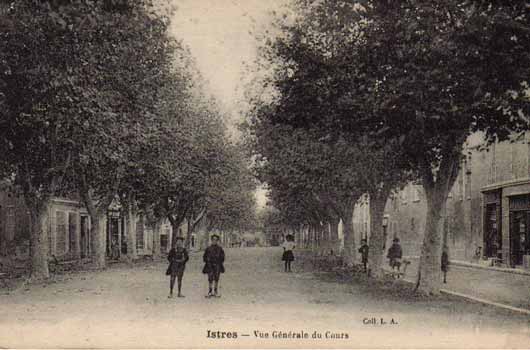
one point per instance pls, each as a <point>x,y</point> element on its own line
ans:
<point>288,256</point>
<point>177,257</point>
<point>364,253</point>
<point>394,255</point>
<point>214,257</point>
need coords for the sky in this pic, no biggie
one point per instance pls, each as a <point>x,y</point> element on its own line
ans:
<point>219,35</point>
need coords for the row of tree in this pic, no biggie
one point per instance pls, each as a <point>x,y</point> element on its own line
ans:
<point>97,100</point>
<point>365,96</point>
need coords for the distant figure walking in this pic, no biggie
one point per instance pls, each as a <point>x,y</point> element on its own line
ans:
<point>177,257</point>
<point>288,256</point>
<point>445,262</point>
<point>214,257</point>
<point>364,253</point>
<point>394,255</point>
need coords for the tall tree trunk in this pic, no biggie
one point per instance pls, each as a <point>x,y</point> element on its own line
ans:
<point>156,239</point>
<point>99,239</point>
<point>377,232</point>
<point>131,227</point>
<point>430,260</point>
<point>315,238</point>
<point>349,242</point>
<point>98,218</point>
<point>98,231</point>
<point>308,238</point>
<point>189,232</point>
<point>39,241</point>
<point>429,276</point>
<point>193,221</point>
<point>334,234</point>
<point>175,225</point>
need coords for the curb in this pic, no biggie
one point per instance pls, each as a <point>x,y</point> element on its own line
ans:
<point>487,302</point>
<point>476,299</point>
<point>481,267</point>
<point>490,268</point>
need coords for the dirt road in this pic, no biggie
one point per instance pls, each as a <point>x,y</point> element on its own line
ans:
<point>260,306</point>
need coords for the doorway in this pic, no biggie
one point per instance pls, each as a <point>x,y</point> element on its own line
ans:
<point>492,236</point>
<point>519,236</point>
<point>113,237</point>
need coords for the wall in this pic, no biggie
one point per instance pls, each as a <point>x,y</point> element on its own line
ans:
<point>463,218</point>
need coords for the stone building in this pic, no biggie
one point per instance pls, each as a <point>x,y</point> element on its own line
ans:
<point>487,216</point>
<point>69,229</point>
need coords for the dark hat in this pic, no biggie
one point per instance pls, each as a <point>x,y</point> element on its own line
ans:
<point>396,240</point>
<point>179,238</point>
<point>214,236</point>
<point>363,240</point>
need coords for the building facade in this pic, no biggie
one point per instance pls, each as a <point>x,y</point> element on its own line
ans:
<point>69,226</point>
<point>487,215</point>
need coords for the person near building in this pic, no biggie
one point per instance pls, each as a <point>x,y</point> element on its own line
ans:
<point>288,256</point>
<point>177,257</point>
<point>445,262</point>
<point>394,255</point>
<point>214,257</point>
<point>364,253</point>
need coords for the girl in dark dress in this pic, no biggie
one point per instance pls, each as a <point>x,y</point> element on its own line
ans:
<point>177,257</point>
<point>288,256</point>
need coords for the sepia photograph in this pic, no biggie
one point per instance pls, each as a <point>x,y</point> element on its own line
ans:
<point>264,174</point>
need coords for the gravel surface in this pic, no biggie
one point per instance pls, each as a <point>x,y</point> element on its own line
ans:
<point>261,306</point>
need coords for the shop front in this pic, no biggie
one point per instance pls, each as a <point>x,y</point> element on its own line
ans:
<point>520,231</point>
<point>506,229</point>
<point>492,233</point>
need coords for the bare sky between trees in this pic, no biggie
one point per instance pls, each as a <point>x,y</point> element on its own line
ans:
<point>219,35</point>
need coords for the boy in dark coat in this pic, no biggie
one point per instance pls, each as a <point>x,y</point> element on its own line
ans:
<point>177,257</point>
<point>214,257</point>
<point>364,253</point>
<point>394,255</point>
<point>445,262</point>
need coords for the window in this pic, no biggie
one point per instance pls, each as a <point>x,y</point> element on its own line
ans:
<point>140,234</point>
<point>412,225</point>
<point>164,240</point>
<point>61,232</point>
<point>72,228</point>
